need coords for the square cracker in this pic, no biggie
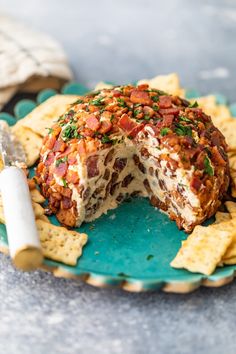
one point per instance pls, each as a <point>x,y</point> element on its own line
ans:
<point>218,112</point>
<point>46,114</point>
<point>31,143</point>
<point>231,207</point>
<point>204,248</point>
<point>60,244</point>
<point>229,261</point>
<point>228,128</point>
<point>36,196</point>
<point>220,217</point>
<point>168,83</point>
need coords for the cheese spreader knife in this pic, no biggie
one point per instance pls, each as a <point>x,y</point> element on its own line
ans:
<point>22,234</point>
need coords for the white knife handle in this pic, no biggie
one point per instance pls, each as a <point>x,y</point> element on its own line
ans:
<point>23,238</point>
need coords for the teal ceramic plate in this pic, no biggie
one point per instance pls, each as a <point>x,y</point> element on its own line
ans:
<point>130,247</point>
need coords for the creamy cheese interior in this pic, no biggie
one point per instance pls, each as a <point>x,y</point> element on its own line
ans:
<point>137,175</point>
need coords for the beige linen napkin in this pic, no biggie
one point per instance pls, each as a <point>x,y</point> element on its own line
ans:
<point>29,61</point>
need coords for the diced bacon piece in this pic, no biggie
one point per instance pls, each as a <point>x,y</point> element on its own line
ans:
<point>72,158</point>
<point>49,179</point>
<point>200,160</point>
<point>148,111</point>
<point>92,123</point>
<point>116,93</point>
<point>143,87</point>
<point>56,129</point>
<point>50,143</point>
<point>66,203</point>
<point>105,127</point>
<point>61,169</point>
<point>164,101</point>
<point>126,123</point>
<point>195,184</point>
<point>92,166</point>
<point>59,145</point>
<point>72,177</point>
<point>50,159</point>
<point>136,130</point>
<point>151,129</point>
<point>217,156</point>
<point>164,111</point>
<point>81,148</point>
<point>138,96</point>
<point>168,120</point>
<point>88,132</point>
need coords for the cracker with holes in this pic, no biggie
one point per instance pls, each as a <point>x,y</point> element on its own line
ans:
<point>204,248</point>
<point>60,244</point>
<point>31,143</point>
<point>220,217</point>
<point>43,116</point>
<point>218,112</point>
<point>167,83</point>
<point>36,196</point>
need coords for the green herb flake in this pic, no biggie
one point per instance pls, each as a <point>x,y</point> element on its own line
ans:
<point>149,257</point>
<point>155,108</point>
<point>50,130</point>
<point>64,182</point>
<point>121,102</point>
<point>112,118</point>
<point>185,119</point>
<point>79,101</point>
<point>208,167</point>
<point>97,102</point>
<point>183,130</point>
<point>59,161</point>
<point>164,131</point>
<point>147,117</point>
<point>106,139</point>
<point>155,98</point>
<point>193,105</point>
<point>71,133</point>
<point>136,112</point>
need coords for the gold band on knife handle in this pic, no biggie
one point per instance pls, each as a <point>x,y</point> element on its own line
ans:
<point>28,258</point>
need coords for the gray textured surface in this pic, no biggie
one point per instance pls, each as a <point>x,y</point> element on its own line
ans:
<point>122,41</point>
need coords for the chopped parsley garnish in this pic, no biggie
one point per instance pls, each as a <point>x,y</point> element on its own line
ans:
<point>155,98</point>
<point>112,118</point>
<point>147,117</point>
<point>155,108</point>
<point>97,102</point>
<point>208,167</point>
<point>183,130</point>
<point>71,133</point>
<point>149,257</point>
<point>79,101</point>
<point>64,182</point>
<point>50,130</point>
<point>122,102</point>
<point>185,119</point>
<point>193,105</point>
<point>59,161</point>
<point>164,131</point>
<point>107,140</point>
<point>136,112</point>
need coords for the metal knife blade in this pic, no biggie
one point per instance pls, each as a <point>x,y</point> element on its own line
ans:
<point>11,150</point>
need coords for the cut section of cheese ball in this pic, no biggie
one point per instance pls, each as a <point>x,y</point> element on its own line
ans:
<point>129,141</point>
